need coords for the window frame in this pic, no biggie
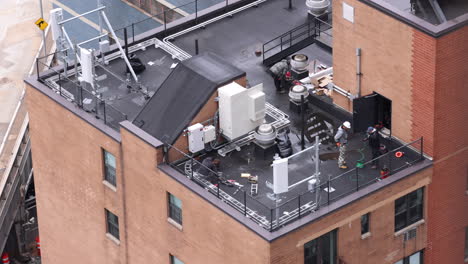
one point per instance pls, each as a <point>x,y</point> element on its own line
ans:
<point>111,226</point>
<point>406,260</point>
<point>109,175</point>
<point>407,209</point>
<point>367,229</point>
<point>174,212</point>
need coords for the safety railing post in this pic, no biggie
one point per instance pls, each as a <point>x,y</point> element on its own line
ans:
<point>191,173</point>
<point>299,206</point>
<point>271,220</point>
<point>37,68</point>
<point>226,6</point>
<point>60,84</point>
<point>217,189</point>
<point>133,33</point>
<point>357,179</point>
<point>421,151</point>
<point>245,202</point>
<point>328,192</point>
<point>196,12</point>
<point>165,23</point>
<point>104,111</point>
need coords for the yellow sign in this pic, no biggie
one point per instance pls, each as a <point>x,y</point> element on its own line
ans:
<point>40,23</point>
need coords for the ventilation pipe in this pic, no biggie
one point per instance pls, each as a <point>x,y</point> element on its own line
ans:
<point>358,71</point>
<point>317,7</point>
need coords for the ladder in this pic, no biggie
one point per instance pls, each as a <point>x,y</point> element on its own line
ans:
<point>254,189</point>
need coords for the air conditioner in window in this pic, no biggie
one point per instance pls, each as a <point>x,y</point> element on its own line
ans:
<point>410,234</point>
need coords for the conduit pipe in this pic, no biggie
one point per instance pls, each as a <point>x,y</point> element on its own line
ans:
<point>358,71</point>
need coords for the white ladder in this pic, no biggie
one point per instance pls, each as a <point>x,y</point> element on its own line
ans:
<point>254,189</point>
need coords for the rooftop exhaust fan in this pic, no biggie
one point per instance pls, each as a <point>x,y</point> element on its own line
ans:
<point>317,7</point>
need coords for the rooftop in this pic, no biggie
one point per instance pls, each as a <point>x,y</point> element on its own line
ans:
<point>435,17</point>
<point>116,97</point>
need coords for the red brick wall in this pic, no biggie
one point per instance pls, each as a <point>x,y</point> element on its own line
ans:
<point>423,87</point>
<point>448,204</point>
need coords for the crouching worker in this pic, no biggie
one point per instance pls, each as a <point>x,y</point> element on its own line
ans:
<point>210,169</point>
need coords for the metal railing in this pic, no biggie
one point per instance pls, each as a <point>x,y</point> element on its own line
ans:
<point>329,191</point>
<point>311,29</point>
<point>67,85</point>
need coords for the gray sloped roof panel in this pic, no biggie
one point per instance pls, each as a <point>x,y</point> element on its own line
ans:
<point>181,96</point>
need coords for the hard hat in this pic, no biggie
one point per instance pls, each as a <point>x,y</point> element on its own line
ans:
<point>347,124</point>
<point>370,129</point>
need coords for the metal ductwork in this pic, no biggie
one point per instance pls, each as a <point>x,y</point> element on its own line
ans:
<point>317,7</point>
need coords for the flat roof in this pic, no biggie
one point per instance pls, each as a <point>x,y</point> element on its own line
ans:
<point>433,17</point>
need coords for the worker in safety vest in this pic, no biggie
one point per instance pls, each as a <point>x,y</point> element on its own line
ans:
<point>341,139</point>
<point>373,137</point>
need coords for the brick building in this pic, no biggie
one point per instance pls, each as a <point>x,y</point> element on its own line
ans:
<point>118,178</point>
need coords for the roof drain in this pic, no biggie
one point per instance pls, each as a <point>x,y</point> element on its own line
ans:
<point>179,53</point>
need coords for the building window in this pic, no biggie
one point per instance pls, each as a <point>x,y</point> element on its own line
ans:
<point>321,250</point>
<point>416,258</point>
<point>175,208</point>
<point>409,209</point>
<point>112,224</point>
<point>466,244</point>
<point>175,260</point>
<point>365,224</point>
<point>109,168</point>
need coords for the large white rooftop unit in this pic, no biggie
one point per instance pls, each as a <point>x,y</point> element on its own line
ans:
<point>241,110</point>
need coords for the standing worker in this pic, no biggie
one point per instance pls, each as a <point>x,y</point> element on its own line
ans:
<point>341,139</point>
<point>374,143</point>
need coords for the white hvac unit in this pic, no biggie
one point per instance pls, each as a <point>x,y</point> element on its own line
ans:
<point>195,138</point>
<point>209,134</point>
<point>241,110</point>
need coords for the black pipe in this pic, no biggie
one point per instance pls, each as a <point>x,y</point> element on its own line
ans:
<point>126,46</point>
<point>302,122</point>
<point>290,4</point>
<point>196,46</point>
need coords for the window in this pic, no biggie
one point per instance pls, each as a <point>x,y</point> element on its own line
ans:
<point>365,224</point>
<point>112,224</point>
<point>109,168</point>
<point>466,244</point>
<point>175,260</point>
<point>408,209</point>
<point>175,208</point>
<point>321,250</point>
<point>416,258</point>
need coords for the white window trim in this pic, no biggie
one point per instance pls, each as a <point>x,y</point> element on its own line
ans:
<point>113,238</point>
<point>174,223</point>
<point>366,235</point>
<point>109,185</point>
<point>406,229</point>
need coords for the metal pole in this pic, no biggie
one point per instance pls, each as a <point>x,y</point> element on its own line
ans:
<point>290,4</point>
<point>302,122</point>
<point>219,185</point>
<point>299,206</point>
<point>196,12</point>
<point>165,23</point>
<point>126,45</point>
<point>43,31</point>
<point>357,179</point>
<point>271,220</point>
<point>37,68</point>
<point>133,33</point>
<point>105,120</point>
<point>245,203</point>
<point>421,151</point>
<point>191,160</point>
<point>196,46</point>
<point>328,193</point>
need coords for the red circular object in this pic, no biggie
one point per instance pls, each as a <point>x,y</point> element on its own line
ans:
<point>398,154</point>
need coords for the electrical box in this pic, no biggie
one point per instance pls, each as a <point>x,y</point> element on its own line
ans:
<point>195,138</point>
<point>104,46</point>
<point>256,105</point>
<point>241,110</point>
<point>280,176</point>
<point>209,134</point>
